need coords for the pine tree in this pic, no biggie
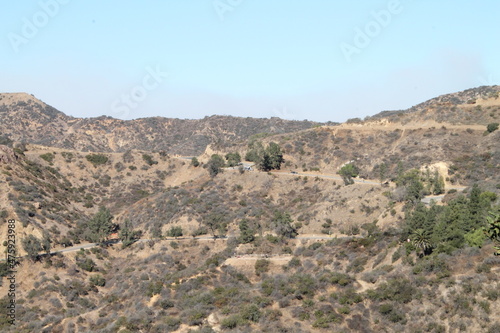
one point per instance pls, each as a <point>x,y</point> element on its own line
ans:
<point>100,226</point>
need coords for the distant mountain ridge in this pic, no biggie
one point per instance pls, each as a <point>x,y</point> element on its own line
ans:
<point>24,118</point>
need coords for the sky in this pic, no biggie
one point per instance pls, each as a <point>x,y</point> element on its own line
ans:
<point>321,60</point>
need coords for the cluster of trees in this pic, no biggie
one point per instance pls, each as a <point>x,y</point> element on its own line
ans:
<point>100,226</point>
<point>265,158</point>
<point>433,182</point>
<point>217,162</point>
<point>281,224</point>
<point>413,185</point>
<point>34,245</point>
<point>128,235</point>
<point>446,228</point>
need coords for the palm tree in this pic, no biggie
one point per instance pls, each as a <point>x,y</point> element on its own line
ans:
<point>421,240</point>
<point>493,230</point>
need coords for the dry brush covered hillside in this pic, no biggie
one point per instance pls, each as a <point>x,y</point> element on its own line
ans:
<point>394,243</point>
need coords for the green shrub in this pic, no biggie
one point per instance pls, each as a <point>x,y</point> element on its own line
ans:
<point>232,322</point>
<point>154,288</point>
<point>172,323</point>
<point>49,157</point>
<point>97,280</point>
<point>261,266</point>
<point>87,265</point>
<point>175,232</point>
<point>149,159</point>
<point>195,162</point>
<point>97,159</point>
<point>396,289</point>
<point>492,127</point>
<point>251,312</point>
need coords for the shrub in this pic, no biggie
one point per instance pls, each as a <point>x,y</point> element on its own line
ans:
<point>396,289</point>
<point>97,280</point>
<point>87,265</point>
<point>492,127</point>
<point>232,322</point>
<point>251,313</point>
<point>175,232</point>
<point>49,157</point>
<point>195,162</point>
<point>154,288</point>
<point>261,266</point>
<point>97,159</point>
<point>172,323</point>
<point>149,160</point>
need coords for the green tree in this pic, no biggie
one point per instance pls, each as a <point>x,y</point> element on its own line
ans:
<point>265,159</point>
<point>412,185</point>
<point>149,159</point>
<point>46,242</point>
<point>195,162</point>
<point>215,165</point>
<point>475,238</point>
<point>348,172</point>
<point>100,226</point>
<point>477,207</point>
<point>492,230</point>
<point>382,172</point>
<point>256,150</point>
<point>216,222</point>
<point>32,246</point>
<point>421,241</point>
<point>127,234</point>
<point>175,232</point>
<point>233,159</point>
<point>264,162</point>
<point>246,233</point>
<point>438,184</point>
<point>275,156</point>
<point>282,225</point>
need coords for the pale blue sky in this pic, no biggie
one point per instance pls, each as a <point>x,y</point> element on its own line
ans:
<point>258,58</point>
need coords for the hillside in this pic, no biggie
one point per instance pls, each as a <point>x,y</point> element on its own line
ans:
<point>473,106</point>
<point>400,248</point>
<point>26,119</point>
